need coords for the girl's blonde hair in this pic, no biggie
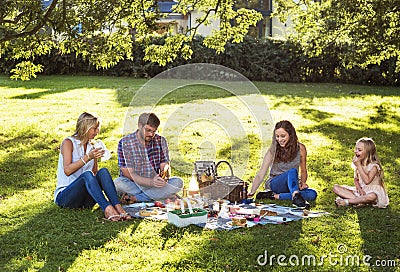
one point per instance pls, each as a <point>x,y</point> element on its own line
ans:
<point>85,122</point>
<point>371,154</point>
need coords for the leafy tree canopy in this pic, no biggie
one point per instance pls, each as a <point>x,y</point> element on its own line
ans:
<point>102,32</point>
<point>361,32</point>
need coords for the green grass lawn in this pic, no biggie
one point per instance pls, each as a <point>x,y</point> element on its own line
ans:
<point>36,235</point>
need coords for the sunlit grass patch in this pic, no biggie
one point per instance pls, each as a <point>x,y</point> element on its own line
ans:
<point>36,235</point>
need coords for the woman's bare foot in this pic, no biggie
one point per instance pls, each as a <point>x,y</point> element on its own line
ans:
<point>110,213</point>
<point>123,214</point>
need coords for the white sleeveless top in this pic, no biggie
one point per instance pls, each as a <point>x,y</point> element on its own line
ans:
<point>77,153</point>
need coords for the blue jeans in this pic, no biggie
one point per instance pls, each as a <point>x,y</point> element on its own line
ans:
<point>286,183</point>
<point>87,190</point>
<point>145,193</point>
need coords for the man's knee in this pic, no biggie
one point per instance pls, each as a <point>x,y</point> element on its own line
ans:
<point>176,182</point>
<point>119,183</point>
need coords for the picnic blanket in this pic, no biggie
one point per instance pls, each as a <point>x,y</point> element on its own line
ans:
<point>223,221</point>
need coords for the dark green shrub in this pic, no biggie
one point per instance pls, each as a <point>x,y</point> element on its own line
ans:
<point>258,60</point>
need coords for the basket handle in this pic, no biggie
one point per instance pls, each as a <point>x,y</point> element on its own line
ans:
<point>216,167</point>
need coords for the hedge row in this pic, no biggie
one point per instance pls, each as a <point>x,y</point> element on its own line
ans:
<point>270,60</point>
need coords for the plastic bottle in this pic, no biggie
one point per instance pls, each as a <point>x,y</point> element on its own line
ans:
<point>193,186</point>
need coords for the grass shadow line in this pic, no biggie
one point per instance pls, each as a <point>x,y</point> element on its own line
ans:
<point>49,238</point>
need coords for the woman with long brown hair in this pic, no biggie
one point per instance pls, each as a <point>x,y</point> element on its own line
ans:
<point>285,157</point>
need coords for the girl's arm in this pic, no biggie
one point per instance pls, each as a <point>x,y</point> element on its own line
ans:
<point>358,186</point>
<point>367,177</point>
<point>303,167</point>
<point>95,154</point>
<point>268,158</point>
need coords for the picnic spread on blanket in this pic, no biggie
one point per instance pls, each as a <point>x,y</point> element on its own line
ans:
<point>218,202</point>
<point>230,216</point>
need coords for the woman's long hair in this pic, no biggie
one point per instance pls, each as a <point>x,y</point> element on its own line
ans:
<point>84,123</point>
<point>289,152</point>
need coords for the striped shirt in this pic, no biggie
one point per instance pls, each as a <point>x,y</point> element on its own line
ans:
<point>144,160</point>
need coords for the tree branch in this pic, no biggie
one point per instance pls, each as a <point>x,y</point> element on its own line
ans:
<point>40,24</point>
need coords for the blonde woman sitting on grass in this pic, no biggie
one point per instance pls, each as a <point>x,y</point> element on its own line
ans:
<point>80,184</point>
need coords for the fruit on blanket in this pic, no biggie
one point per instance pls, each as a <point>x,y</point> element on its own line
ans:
<point>159,204</point>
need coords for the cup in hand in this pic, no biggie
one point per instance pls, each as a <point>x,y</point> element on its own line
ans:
<point>107,154</point>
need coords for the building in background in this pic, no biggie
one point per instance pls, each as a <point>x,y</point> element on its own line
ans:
<point>179,23</point>
<point>267,27</point>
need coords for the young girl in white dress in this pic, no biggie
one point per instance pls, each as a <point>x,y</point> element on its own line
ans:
<point>368,178</point>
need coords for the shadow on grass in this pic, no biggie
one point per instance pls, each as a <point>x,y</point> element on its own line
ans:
<point>243,249</point>
<point>379,228</point>
<point>35,162</point>
<point>29,167</point>
<point>55,237</point>
<point>59,84</point>
<point>380,231</point>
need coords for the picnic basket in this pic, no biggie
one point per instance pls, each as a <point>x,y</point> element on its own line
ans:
<point>216,187</point>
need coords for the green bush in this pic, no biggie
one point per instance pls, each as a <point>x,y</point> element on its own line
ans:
<point>258,60</point>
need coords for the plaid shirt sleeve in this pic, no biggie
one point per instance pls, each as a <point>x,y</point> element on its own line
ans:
<point>121,158</point>
<point>164,150</point>
<point>125,153</point>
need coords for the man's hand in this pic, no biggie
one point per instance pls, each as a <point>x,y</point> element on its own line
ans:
<point>159,181</point>
<point>166,171</point>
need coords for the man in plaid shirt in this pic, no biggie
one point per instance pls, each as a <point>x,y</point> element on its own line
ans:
<point>142,158</point>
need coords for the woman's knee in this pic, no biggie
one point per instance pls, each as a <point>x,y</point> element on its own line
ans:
<point>313,195</point>
<point>103,172</point>
<point>89,177</point>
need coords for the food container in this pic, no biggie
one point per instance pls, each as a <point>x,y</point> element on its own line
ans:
<point>185,217</point>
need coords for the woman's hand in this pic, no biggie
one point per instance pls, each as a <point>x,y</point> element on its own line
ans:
<point>303,186</point>
<point>96,153</point>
